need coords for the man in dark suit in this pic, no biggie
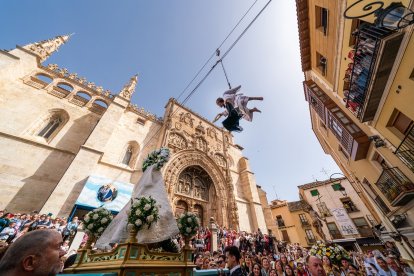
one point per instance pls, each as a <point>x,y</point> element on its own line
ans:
<point>233,261</point>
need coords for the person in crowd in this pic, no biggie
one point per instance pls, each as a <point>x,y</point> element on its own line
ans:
<point>279,268</point>
<point>233,260</point>
<point>221,261</point>
<point>344,266</point>
<point>71,228</point>
<point>315,266</point>
<point>272,272</point>
<point>248,264</point>
<point>198,261</point>
<point>383,268</point>
<point>206,263</point>
<point>391,249</point>
<point>4,220</point>
<point>34,221</point>
<point>330,270</point>
<point>265,266</point>
<point>300,269</point>
<point>8,232</point>
<point>44,222</point>
<point>256,271</point>
<point>354,270</point>
<point>37,253</point>
<point>288,270</point>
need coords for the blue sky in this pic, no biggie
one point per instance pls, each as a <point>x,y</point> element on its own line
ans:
<point>166,43</point>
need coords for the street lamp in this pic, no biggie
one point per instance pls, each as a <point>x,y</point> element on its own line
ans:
<point>394,17</point>
<point>343,191</point>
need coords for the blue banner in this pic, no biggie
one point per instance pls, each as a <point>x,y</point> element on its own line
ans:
<point>101,191</point>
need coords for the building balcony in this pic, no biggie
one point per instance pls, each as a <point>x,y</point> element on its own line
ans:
<point>335,234</point>
<point>310,241</point>
<point>305,223</point>
<point>374,54</point>
<point>396,187</point>
<point>405,150</point>
<point>353,140</point>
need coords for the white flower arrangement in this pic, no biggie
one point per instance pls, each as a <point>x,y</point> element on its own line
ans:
<point>143,211</point>
<point>96,221</point>
<point>188,224</point>
<point>333,251</point>
<point>158,157</point>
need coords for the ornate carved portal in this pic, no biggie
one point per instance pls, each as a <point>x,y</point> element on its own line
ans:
<point>194,182</point>
<point>194,179</point>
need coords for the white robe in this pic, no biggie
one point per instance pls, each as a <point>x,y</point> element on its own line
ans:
<point>239,102</point>
<point>150,184</point>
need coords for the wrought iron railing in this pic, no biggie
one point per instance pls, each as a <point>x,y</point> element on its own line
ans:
<point>395,186</point>
<point>366,50</point>
<point>310,240</point>
<point>405,150</point>
<point>305,223</point>
<point>373,58</point>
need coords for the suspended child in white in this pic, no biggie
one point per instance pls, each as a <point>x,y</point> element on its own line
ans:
<point>236,108</point>
<point>150,184</point>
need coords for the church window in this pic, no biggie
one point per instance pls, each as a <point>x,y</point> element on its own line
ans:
<point>51,127</point>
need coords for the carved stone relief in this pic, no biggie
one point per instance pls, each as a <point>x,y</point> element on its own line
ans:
<point>177,140</point>
<point>186,119</point>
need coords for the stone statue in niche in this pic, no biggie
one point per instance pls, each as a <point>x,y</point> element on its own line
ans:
<point>201,144</point>
<point>200,129</point>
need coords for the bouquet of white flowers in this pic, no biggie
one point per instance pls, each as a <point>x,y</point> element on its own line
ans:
<point>333,251</point>
<point>188,224</point>
<point>158,157</point>
<point>96,221</point>
<point>143,211</point>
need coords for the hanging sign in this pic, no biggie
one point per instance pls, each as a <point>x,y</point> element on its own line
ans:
<point>101,191</point>
<point>344,222</point>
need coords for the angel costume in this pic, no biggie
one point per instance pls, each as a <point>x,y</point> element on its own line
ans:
<point>239,102</point>
<point>150,184</point>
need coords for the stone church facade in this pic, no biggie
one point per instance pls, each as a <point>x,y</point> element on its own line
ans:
<point>57,129</point>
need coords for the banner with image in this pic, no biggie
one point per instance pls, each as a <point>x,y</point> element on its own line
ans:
<point>101,191</point>
<point>344,222</point>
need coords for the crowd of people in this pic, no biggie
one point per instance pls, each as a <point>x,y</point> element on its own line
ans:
<point>260,254</point>
<point>243,253</point>
<point>15,225</point>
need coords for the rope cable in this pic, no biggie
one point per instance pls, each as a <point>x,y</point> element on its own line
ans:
<point>221,44</point>
<point>212,68</point>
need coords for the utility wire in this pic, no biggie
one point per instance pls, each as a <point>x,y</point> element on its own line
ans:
<point>217,62</point>
<point>208,60</point>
